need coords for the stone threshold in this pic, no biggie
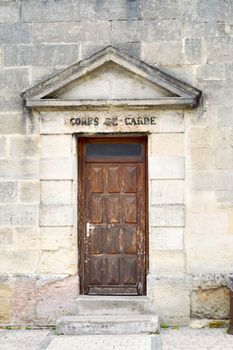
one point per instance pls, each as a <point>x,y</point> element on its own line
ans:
<point>107,324</point>
<point>118,305</point>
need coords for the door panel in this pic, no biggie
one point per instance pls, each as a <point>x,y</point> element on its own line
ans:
<point>113,180</point>
<point>130,240</point>
<point>96,240</point>
<point>95,269</point>
<point>95,205</point>
<point>113,270</point>
<point>112,222</point>
<point>111,240</point>
<point>130,209</point>
<point>112,209</point>
<point>95,175</point>
<point>130,269</point>
<point>130,179</point>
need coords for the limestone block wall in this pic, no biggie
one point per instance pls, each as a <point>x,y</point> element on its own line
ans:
<point>191,169</point>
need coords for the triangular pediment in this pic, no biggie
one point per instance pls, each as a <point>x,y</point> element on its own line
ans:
<point>111,77</point>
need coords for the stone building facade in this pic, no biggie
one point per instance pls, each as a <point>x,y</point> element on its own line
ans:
<point>157,70</point>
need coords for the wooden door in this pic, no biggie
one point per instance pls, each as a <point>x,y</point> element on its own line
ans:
<point>112,216</point>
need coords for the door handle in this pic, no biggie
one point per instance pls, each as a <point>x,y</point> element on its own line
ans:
<point>89,227</point>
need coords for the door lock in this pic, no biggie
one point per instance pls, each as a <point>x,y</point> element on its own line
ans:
<point>89,227</point>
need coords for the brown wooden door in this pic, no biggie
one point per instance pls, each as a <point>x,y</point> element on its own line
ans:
<point>112,211</point>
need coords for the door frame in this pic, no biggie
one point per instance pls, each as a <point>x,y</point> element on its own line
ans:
<point>81,140</point>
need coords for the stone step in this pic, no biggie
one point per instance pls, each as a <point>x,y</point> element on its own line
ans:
<point>107,305</point>
<point>107,324</point>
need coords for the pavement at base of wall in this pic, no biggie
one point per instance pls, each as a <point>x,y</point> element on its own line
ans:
<point>183,338</point>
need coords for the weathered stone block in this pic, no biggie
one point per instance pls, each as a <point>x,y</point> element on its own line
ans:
<point>15,79</point>
<point>26,238</point>
<point>171,144</point>
<point>24,296</point>
<point>217,93</point>
<point>225,137</point>
<point>218,50</point>
<point>224,115</point>
<point>56,146</point>
<point>202,158</point>
<point>193,51</point>
<point>130,31</point>
<point>19,169</point>
<point>201,201</point>
<point>206,118</point>
<point>154,9</point>
<point>209,253</point>
<point>106,10</point>
<point>167,191</point>
<point>58,261</point>
<point>144,30</point>
<point>50,11</point>
<point>211,10</point>
<point>203,136</point>
<point>166,167</point>
<point>230,220</point>
<point>2,147</point>
<point>210,303</point>
<point>167,215</point>
<point>171,122</point>
<point>40,55</point>
<point>19,261</point>
<point>211,72</point>
<point>56,215</point>
<point>53,124</point>
<point>56,32</point>
<point>224,158</point>
<point>221,180</point>
<point>167,238</point>
<point>11,102</point>
<point>160,52</point>
<point>207,223</point>
<point>24,146</point>
<point>56,169</point>
<point>206,30</point>
<point>8,192</point>
<point>56,192</point>
<point>208,281</point>
<point>6,237</point>
<point>22,215</point>
<point>5,300</point>
<point>12,123</point>
<point>228,69</point>
<point>203,180</point>
<point>167,262</point>
<point>29,192</point>
<point>225,197</point>
<point>15,33</point>
<point>171,297</point>
<point>54,238</point>
<point>55,297</point>
<point>9,11</point>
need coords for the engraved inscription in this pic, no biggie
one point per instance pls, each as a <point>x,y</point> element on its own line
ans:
<point>114,121</point>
